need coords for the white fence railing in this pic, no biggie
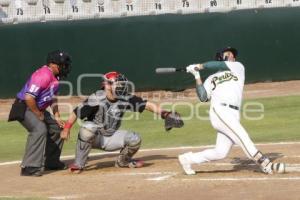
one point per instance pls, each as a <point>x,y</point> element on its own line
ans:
<point>20,11</point>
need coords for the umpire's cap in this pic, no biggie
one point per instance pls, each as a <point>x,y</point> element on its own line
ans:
<point>62,59</point>
<point>219,54</point>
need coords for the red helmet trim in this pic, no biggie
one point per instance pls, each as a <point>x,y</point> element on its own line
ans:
<point>111,75</point>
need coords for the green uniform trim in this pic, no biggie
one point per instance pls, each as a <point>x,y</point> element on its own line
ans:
<point>215,66</point>
<point>201,92</point>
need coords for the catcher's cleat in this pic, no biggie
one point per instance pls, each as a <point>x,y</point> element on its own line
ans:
<point>31,171</point>
<point>75,169</point>
<point>186,164</point>
<point>136,164</point>
<point>131,164</point>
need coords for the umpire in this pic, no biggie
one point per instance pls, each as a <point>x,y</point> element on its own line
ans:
<point>43,147</point>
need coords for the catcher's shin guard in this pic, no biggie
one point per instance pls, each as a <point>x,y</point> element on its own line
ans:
<point>125,157</point>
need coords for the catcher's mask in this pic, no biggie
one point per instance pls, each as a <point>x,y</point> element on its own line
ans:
<point>220,54</point>
<point>63,60</point>
<point>119,83</point>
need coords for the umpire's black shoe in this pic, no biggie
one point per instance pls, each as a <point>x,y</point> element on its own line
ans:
<point>31,171</point>
<point>56,166</point>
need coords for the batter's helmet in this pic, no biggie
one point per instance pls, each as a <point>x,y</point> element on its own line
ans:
<point>121,88</point>
<point>220,54</point>
<point>62,59</point>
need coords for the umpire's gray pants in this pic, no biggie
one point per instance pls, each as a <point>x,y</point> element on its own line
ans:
<point>89,137</point>
<point>43,146</point>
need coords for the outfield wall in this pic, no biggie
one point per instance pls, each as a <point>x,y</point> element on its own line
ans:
<point>268,40</point>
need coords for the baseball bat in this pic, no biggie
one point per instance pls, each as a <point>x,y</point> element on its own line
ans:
<point>169,70</point>
<point>292,168</point>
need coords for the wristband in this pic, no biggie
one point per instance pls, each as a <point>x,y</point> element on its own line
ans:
<point>68,125</point>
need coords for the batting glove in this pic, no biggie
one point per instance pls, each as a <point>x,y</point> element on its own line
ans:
<point>191,69</point>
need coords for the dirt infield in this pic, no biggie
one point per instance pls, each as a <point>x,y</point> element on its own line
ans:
<point>161,178</point>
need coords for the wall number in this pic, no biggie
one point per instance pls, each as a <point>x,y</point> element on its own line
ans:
<point>268,1</point>
<point>238,2</point>
<point>101,8</point>
<point>129,7</point>
<point>185,3</point>
<point>213,3</point>
<point>158,6</point>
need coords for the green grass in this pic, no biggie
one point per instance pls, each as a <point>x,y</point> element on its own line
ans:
<point>281,122</point>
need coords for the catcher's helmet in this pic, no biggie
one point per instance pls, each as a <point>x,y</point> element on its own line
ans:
<point>62,59</point>
<point>121,88</point>
<point>220,54</point>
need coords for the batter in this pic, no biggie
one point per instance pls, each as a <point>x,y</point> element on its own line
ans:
<point>224,89</point>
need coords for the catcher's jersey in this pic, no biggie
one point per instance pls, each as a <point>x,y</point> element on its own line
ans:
<point>106,114</point>
<point>226,86</point>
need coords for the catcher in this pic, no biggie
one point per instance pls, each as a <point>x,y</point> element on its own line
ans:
<point>102,113</point>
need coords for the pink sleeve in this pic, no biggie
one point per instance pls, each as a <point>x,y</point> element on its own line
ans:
<point>38,82</point>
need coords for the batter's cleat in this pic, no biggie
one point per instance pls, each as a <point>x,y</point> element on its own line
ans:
<point>75,169</point>
<point>31,171</point>
<point>131,164</point>
<point>186,164</point>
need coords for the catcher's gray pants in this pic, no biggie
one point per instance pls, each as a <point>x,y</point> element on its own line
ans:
<point>89,137</point>
<point>43,147</point>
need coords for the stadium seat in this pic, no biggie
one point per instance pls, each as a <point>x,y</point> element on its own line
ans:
<point>30,8</point>
<point>52,10</point>
<point>187,6</point>
<point>161,6</point>
<point>19,11</point>
<point>292,2</point>
<point>215,5</point>
<point>4,5</point>
<point>109,8</point>
<point>22,12</point>
<point>269,3</point>
<point>78,9</point>
<point>118,7</point>
<point>140,7</point>
<point>242,4</point>
<point>16,12</point>
<point>134,7</point>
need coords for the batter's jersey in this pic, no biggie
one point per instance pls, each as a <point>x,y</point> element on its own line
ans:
<point>42,85</point>
<point>107,114</point>
<point>226,86</point>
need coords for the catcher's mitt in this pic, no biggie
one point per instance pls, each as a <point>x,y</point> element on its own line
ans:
<point>172,120</point>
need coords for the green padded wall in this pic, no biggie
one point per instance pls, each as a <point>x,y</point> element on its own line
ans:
<point>268,40</point>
